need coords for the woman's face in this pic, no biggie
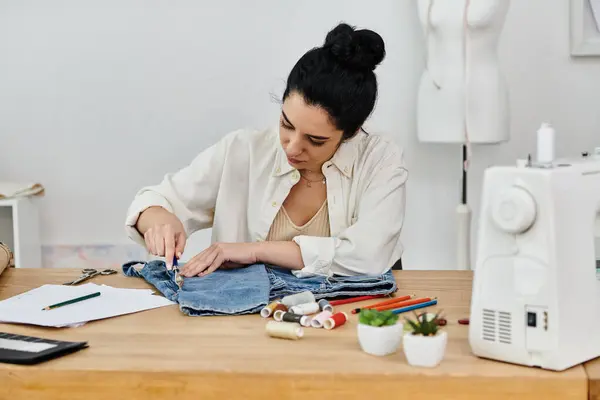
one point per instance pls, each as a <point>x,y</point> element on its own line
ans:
<point>307,134</point>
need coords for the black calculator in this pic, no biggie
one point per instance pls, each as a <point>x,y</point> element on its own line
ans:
<point>20,349</point>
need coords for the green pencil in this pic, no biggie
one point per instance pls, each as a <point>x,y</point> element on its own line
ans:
<point>75,300</point>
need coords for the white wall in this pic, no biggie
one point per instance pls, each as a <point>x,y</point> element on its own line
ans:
<point>546,85</point>
<point>152,83</point>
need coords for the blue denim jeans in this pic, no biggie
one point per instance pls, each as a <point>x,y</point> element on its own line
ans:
<point>247,290</point>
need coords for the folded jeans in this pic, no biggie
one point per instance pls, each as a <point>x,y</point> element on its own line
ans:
<point>247,290</point>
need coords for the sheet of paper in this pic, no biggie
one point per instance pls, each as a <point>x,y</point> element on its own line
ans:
<point>27,308</point>
<point>142,291</point>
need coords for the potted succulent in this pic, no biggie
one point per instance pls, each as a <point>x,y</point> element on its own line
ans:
<point>379,332</point>
<point>425,342</point>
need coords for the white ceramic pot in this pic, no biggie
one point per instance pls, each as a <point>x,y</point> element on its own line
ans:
<point>425,351</point>
<point>380,340</point>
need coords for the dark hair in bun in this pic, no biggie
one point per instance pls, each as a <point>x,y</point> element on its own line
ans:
<point>339,76</point>
<point>361,50</point>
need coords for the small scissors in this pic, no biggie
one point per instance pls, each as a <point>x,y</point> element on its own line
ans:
<point>178,277</point>
<point>89,273</point>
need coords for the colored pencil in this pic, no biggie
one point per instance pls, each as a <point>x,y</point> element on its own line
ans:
<point>390,301</point>
<point>395,300</point>
<point>403,304</point>
<point>414,307</point>
<point>75,300</point>
<point>355,299</point>
<point>397,304</point>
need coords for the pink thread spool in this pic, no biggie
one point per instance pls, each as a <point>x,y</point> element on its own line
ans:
<point>320,318</point>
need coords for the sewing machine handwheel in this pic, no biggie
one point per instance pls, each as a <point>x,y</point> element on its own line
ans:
<point>514,210</point>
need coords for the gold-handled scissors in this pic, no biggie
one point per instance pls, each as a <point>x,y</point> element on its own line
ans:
<point>88,273</point>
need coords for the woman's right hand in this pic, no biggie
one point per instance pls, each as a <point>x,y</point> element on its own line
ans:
<point>163,232</point>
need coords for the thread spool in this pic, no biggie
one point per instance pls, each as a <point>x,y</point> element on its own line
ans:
<point>337,319</point>
<point>283,316</point>
<point>271,308</point>
<point>545,144</point>
<point>305,309</point>
<point>324,305</point>
<point>268,310</point>
<point>284,330</point>
<point>298,298</point>
<point>317,321</point>
<point>278,314</point>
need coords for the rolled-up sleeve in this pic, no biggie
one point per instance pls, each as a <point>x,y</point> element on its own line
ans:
<point>189,193</point>
<point>370,244</point>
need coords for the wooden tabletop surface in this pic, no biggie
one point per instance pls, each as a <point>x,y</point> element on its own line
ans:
<point>162,354</point>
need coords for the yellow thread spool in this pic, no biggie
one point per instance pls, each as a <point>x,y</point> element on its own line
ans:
<point>269,309</point>
<point>284,330</point>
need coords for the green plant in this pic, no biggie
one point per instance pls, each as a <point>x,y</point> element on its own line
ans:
<point>377,318</point>
<point>424,326</point>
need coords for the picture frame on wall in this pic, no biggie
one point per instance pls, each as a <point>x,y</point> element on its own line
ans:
<point>585,27</point>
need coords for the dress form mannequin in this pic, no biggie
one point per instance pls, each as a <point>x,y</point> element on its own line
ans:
<point>462,94</point>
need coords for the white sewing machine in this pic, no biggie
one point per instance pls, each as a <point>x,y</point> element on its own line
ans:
<point>536,298</point>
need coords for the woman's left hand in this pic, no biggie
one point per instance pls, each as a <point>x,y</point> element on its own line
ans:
<point>225,255</point>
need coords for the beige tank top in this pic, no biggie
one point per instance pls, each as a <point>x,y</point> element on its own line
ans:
<point>283,229</point>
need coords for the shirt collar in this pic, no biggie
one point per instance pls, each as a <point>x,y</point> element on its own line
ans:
<point>343,158</point>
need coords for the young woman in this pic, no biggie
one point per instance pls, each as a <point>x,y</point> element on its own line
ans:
<point>317,195</point>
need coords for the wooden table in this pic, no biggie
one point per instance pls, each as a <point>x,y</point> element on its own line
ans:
<point>162,354</point>
<point>592,369</point>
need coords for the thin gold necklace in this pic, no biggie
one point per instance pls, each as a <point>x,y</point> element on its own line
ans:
<point>309,182</point>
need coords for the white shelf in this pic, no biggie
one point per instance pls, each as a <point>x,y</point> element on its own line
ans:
<point>8,202</point>
<point>19,229</point>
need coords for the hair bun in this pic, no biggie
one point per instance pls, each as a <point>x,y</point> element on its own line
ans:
<point>358,49</point>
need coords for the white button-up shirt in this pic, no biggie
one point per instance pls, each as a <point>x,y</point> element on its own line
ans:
<point>237,186</point>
